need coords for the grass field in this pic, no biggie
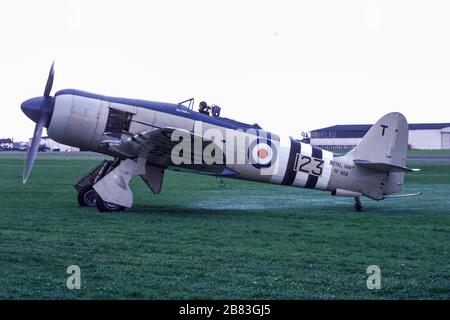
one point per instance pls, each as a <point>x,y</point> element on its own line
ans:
<point>432,153</point>
<point>199,240</point>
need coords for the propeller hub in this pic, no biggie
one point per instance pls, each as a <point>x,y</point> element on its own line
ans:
<point>37,107</point>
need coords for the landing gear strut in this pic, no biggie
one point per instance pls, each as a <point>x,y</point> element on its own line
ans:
<point>107,186</point>
<point>358,204</point>
<point>87,197</point>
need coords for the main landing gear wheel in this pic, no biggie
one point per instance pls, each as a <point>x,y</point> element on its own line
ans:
<point>87,197</point>
<point>358,205</point>
<point>104,206</point>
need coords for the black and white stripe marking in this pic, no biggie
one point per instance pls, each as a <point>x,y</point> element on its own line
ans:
<point>290,173</point>
<point>293,177</point>
<point>312,179</point>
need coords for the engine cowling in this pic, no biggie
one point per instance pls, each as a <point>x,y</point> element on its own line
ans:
<point>78,121</point>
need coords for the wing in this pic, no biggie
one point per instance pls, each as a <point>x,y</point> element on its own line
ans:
<point>156,146</point>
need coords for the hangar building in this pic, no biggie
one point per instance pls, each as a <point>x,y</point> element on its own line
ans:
<point>48,144</point>
<point>345,137</point>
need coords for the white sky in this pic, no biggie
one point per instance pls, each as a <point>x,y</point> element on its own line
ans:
<point>290,66</point>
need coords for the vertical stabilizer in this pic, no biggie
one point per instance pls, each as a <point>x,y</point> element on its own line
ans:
<point>385,145</point>
<point>386,142</point>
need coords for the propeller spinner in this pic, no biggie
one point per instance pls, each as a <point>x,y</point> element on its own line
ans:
<point>40,110</point>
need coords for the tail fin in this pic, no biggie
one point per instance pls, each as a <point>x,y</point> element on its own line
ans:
<point>385,143</point>
<point>383,149</point>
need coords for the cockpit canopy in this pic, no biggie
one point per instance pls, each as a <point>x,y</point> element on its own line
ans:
<point>214,112</point>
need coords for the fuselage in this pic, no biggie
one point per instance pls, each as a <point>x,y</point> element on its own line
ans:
<point>85,120</point>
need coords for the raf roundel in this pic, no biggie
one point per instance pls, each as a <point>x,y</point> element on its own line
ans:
<point>261,153</point>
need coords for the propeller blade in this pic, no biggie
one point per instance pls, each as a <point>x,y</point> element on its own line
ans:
<point>51,75</point>
<point>34,148</point>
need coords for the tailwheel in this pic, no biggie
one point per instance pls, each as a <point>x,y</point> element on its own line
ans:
<point>104,206</point>
<point>358,205</point>
<point>87,197</point>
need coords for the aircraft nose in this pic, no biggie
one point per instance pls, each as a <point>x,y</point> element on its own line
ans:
<point>35,107</point>
<point>32,108</point>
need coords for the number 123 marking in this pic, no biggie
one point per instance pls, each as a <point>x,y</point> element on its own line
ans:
<point>302,161</point>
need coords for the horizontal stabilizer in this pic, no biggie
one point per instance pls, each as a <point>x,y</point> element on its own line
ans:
<point>403,195</point>
<point>382,167</point>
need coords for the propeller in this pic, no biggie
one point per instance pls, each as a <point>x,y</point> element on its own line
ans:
<point>40,110</point>
<point>49,84</point>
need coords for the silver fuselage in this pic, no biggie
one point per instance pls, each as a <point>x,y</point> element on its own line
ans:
<point>82,120</point>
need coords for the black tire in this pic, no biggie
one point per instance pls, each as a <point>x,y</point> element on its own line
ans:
<point>104,206</point>
<point>358,206</point>
<point>87,197</point>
